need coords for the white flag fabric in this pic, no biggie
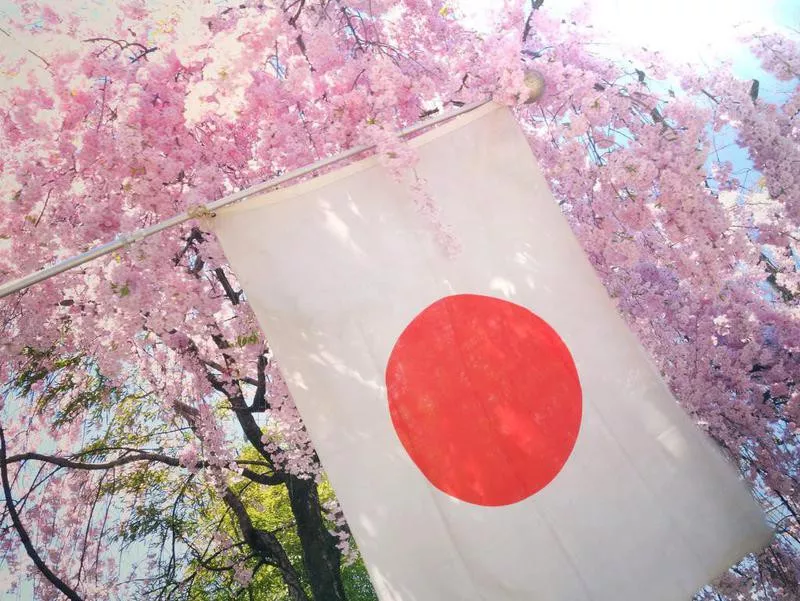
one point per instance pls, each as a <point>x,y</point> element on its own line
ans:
<point>491,428</point>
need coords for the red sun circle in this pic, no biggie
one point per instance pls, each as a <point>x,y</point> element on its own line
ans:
<point>485,398</point>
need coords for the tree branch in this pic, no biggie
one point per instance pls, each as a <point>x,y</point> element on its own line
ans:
<point>268,479</point>
<point>293,20</point>
<point>23,534</point>
<point>535,5</point>
<point>260,399</point>
<point>125,45</point>
<point>232,295</point>
<point>250,428</point>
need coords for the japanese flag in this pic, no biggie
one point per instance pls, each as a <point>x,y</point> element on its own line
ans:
<point>492,429</point>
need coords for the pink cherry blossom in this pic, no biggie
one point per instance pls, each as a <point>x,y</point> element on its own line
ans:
<point>139,387</point>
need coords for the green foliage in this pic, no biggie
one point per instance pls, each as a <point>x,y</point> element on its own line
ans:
<point>251,338</point>
<point>269,509</point>
<point>167,508</point>
<point>357,585</point>
<point>123,290</point>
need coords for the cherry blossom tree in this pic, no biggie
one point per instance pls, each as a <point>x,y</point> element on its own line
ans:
<point>144,417</point>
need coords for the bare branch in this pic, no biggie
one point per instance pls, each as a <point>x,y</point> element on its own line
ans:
<point>233,296</point>
<point>123,45</point>
<point>267,479</point>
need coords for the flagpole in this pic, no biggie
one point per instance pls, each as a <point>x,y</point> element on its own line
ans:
<point>202,210</point>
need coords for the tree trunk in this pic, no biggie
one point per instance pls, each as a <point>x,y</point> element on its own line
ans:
<point>321,556</point>
<point>266,546</point>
